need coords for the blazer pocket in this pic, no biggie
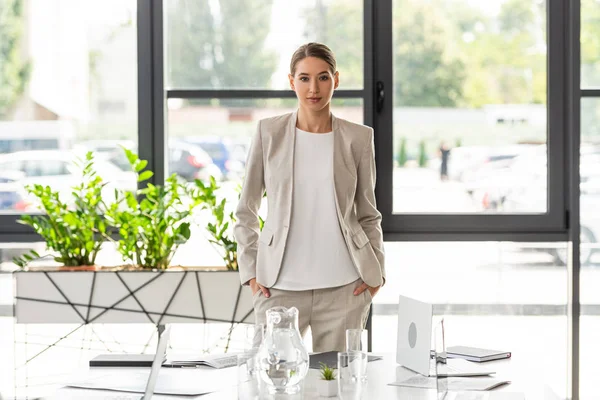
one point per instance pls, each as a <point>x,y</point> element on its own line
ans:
<point>266,236</point>
<point>360,239</point>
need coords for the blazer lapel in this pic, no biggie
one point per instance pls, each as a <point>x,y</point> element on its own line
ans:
<point>289,144</point>
<point>338,163</point>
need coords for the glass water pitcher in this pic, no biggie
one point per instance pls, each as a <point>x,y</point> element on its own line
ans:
<point>282,358</point>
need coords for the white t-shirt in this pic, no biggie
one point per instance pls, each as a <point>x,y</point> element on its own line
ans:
<point>316,255</point>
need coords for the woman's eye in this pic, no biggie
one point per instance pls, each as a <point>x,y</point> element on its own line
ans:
<point>324,78</point>
<point>304,79</point>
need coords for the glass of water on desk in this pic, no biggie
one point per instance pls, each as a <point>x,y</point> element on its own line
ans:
<point>357,342</point>
<point>249,384</point>
<point>350,382</point>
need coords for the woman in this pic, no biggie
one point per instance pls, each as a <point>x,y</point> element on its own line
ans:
<point>321,248</point>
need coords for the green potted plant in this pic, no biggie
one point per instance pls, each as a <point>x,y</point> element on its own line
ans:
<point>152,227</point>
<point>222,221</point>
<point>74,227</point>
<point>327,384</point>
<point>221,225</point>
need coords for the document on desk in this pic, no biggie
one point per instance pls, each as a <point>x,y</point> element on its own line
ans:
<point>474,383</point>
<point>172,384</point>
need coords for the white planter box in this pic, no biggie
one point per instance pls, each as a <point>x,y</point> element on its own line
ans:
<point>156,297</point>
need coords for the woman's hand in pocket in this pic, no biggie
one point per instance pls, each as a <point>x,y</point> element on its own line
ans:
<point>255,287</point>
<point>363,287</point>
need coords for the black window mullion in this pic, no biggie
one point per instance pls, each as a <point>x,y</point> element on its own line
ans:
<point>383,116</point>
<point>590,92</point>
<point>369,63</point>
<point>572,11</point>
<point>151,97</point>
<point>248,94</point>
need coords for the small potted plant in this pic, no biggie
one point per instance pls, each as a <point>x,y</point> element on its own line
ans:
<point>327,385</point>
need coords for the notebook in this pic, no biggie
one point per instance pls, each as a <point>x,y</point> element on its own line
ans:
<point>476,354</point>
<point>122,360</point>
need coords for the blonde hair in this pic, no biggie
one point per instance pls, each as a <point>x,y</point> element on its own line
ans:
<point>317,50</point>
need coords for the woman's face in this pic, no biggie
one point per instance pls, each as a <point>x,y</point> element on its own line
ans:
<point>313,83</point>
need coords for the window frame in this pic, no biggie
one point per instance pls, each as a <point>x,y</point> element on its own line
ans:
<point>550,226</point>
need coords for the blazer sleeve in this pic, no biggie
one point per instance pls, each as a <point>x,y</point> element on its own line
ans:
<point>366,208</point>
<point>246,230</point>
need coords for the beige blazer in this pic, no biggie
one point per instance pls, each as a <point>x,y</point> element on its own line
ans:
<point>270,167</point>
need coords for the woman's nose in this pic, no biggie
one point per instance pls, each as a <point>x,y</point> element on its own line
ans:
<point>314,87</point>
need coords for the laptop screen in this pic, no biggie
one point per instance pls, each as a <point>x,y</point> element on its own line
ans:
<point>414,334</point>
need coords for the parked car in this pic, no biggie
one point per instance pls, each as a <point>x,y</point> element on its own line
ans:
<point>186,160</point>
<point>104,147</point>
<point>498,161</point>
<point>192,162</point>
<point>56,169</point>
<point>525,191</point>
<point>35,135</point>
<point>224,153</point>
<point>12,198</point>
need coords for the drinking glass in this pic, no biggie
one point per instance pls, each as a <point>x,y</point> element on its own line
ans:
<point>357,341</point>
<point>254,334</point>
<point>350,382</point>
<point>249,385</point>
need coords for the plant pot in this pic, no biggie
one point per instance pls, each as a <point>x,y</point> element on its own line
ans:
<point>327,388</point>
<point>80,268</point>
<point>131,296</point>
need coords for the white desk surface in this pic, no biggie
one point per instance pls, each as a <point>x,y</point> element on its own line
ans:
<point>380,373</point>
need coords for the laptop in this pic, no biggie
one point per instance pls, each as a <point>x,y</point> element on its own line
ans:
<point>161,352</point>
<point>414,343</point>
<point>132,382</point>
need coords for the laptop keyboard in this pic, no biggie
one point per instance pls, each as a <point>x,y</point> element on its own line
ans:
<point>225,362</point>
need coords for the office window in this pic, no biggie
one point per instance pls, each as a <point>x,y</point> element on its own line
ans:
<point>247,44</point>
<point>65,59</point>
<point>469,108</point>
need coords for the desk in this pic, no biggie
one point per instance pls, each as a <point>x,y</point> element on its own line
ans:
<point>380,373</point>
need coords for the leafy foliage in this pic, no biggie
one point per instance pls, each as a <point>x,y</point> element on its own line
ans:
<point>208,49</point>
<point>153,227</point>
<point>14,72</point>
<point>429,72</point>
<point>222,222</point>
<point>327,373</point>
<point>75,231</point>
